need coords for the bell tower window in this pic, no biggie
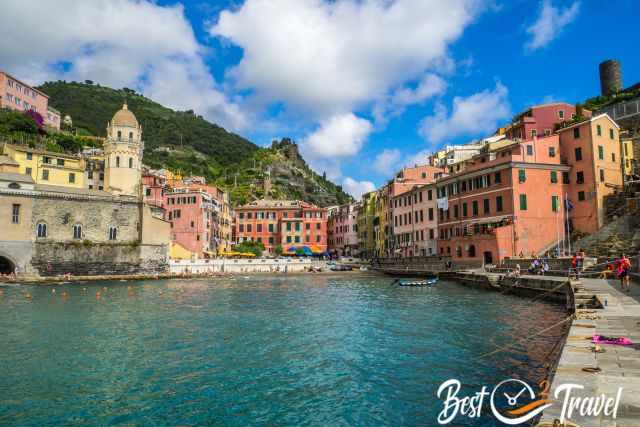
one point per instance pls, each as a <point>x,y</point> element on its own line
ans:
<point>119,135</point>
<point>130,136</point>
<point>130,163</point>
<point>117,161</point>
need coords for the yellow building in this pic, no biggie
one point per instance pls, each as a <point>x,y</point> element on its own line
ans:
<point>381,223</point>
<point>47,167</point>
<point>628,159</point>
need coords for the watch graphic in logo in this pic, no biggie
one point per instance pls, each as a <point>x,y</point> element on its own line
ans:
<point>514,401</point>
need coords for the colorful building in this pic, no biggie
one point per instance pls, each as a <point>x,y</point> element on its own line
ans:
<point>366,215</point>
<point>592,149</point>
<point>498,206</point>
<point>17,95</point>
<point>48,167</point>
<point>415,225</point>
<point>629,160</point>
<point>343,229</point>
<point>285,223</point>
<point>540,120</point>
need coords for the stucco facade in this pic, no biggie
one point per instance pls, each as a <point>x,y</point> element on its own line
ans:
<point>415,224</point>
<point>17,95</point>
<point>343,229</point>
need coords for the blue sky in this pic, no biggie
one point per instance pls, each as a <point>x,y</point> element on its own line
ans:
<point>364,86</point>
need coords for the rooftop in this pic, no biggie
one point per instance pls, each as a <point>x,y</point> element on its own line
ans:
<point>6,160</point>
<point>15,177</point>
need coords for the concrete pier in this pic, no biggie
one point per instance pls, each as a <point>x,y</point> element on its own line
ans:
<point>617,366</point>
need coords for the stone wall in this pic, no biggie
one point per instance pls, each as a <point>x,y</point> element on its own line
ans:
<point>95,216</point>
<point>78,258</point>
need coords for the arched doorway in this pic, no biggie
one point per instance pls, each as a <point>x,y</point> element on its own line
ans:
<point>6,266</point>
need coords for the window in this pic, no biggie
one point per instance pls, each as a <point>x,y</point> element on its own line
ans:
<point>529,150</point>
<point>601,175</point>
<point>611,134</point>
<point>147,192</point>
<point>554,203</point>
<point>578,152</point>
<point>576,133</point>
<point>499,204</point>
<point>29,156</point>
<point>600,152</point>
<point>486,206</point>
<point>240,227</point>
<point>28,171</point>
<point>534,133</point>
<point>113,233</point>
<point>288,226</point>
<point>464,210</point>
<point>249,228</point>
<point>130,136</point>
<point>119,135</point>
<point>45,174</point>
<point>565,178</point>
<point>431,214</point>
<point>60,162</point>
<point>613,157</point>
<point>474,207</point>
<point>270,228</point>
<point>498,178</point>
<point>77,231</point>
<point>130,162</point>
<point>259,228</point>
<point>193,224</point>
<point>15,214</point>
<point>288,239</point>
<point>118,160</point>
<point>72,177</point>
<point>429,195</point>
<point>523,202</point>
<point>522,176</point>
<point>271,240</point>
<point>552,151</point>
<point>561,114</point>
<point>41,230</point>
<point>554,177</point>
<point>581,195</point>
<point>318,238</point>
<point>599,130</point>
<point>580,177</point>
<point>46,160</point>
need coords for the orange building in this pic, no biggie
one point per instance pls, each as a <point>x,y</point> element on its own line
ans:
<point>415,224</point>
<point>592,149</point>
<point>282,222</point>
<point>505,203</point>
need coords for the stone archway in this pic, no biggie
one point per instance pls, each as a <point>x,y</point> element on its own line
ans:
<point>6,265</point>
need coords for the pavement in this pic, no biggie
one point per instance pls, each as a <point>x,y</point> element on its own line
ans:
<point>619,365</point>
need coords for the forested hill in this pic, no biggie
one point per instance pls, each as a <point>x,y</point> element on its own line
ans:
<point>91,106</point>
<point>184,142</point>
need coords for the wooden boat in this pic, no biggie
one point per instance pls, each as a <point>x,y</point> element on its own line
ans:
<point>429,281</point>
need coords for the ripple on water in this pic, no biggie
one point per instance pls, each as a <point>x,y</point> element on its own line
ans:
<point>264,350</point>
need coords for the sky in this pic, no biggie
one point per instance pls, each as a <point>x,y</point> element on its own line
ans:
<point>364,86</point>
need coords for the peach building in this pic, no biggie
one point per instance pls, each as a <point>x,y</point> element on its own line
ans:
<point>415,225</point>
<point>342,229</point>
<point>505,203</point>
<point>17,95</point>
<point>592,149</point>
<point>282,222</point>
<point>405,180</point>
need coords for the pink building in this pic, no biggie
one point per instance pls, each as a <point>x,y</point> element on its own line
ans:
<point>505,203</point>
<point>540,120</point>
<point>17,95</point>
<point>342,229</point>
<point>415,225</point>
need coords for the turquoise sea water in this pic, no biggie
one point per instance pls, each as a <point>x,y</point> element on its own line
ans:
<point>311,351</point>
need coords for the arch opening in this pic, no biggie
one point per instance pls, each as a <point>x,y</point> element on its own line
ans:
<point>6,266</point>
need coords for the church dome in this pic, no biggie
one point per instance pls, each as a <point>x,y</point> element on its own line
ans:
<point>124,117</point>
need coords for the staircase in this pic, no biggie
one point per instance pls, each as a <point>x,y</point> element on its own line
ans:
<point>621,235</point>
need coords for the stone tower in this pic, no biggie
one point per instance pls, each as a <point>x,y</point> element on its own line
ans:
<point>610,77</point>
<point>123,154</point>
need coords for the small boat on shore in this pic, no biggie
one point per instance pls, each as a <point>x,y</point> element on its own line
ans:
<point>429,281</point>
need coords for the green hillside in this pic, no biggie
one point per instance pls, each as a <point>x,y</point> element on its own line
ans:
<point>184,142</point>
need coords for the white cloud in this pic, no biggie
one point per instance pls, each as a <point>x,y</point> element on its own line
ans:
<point>357,188</point>
<point>550,23</point>
<point>329,57</point>
<point>394,105</point>
<point>133,43</point>
<point>476,114</point>
<point>417,159</point>
<point>339,136</point>
<point>386,161</point>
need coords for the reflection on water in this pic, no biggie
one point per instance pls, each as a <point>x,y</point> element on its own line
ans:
<point>265,350</point>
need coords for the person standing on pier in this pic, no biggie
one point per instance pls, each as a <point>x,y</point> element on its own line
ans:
<point>624,265</point>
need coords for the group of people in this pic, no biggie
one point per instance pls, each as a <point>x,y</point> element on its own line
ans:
<point>621,268</point>
<point>539,266</point>
<point>577,262</point>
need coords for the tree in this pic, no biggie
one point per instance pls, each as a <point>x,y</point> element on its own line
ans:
<point>255,248</point>
<point>14,121</point>
<point>278,250</point>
